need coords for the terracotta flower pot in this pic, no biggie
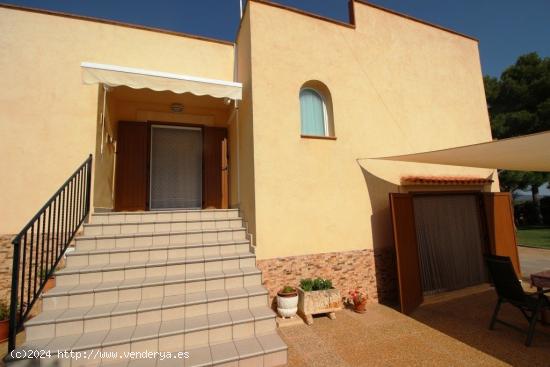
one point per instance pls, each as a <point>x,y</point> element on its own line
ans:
<point>50,283</point>
<point>4,328</point>
<point>360,307</point>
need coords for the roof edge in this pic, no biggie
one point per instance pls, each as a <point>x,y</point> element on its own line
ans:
<point>368,3</point>
<point>350,24</point>
<point>114,22</point>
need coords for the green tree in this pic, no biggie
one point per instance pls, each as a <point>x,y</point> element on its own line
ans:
<point>519,104</point>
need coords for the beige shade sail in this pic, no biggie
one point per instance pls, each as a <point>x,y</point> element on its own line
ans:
<point>114,76</point>
<point>523,153</point>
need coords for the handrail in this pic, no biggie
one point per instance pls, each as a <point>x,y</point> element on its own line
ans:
<point>40,245</point>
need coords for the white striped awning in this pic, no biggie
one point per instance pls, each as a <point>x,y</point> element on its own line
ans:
<point>114,76</point>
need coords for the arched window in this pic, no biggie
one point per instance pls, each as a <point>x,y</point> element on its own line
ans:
<point>313,113</point>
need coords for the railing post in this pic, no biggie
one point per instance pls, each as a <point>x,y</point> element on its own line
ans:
<point>88,184</point>
<point>14,286</point>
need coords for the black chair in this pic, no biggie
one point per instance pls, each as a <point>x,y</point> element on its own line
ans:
<point>509,290</point>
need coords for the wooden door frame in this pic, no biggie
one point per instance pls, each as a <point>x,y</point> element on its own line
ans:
<point>412,194</point>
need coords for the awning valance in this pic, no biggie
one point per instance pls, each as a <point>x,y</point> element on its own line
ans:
<point>114,76</point>
<point>523,153</point>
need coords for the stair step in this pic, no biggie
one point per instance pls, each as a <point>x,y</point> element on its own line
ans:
<point>81,258</point>
<point>144,269</point>
<point>63,322</point>
<point>135,240</point>
<point>174,215</point>
<point>79,295</point>
<point>203,302</point>
<point>96,229</point>
<point>198,330</point>
<point>167,281</point>
<point>267,350</point>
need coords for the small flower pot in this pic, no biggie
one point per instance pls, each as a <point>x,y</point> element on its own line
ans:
<point>287,304</point>
<point>4,328</point>
<point>360,307</point>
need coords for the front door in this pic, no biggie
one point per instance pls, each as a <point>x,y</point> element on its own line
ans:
<point>176,167</point>
<point>161,166</point>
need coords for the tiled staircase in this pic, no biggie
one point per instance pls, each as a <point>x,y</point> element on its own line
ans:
<point>161,281</point>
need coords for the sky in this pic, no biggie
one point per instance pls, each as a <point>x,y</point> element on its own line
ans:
<point>505,28</point>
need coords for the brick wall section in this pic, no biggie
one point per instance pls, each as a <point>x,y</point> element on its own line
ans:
<point>369,270</point>
<point>6,256</point>
<point>6,262</point>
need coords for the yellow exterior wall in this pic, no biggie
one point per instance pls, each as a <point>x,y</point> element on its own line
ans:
<point>246,139</point>
<point>397,86</point>
<point>48,117</point>
<point>105,158</point>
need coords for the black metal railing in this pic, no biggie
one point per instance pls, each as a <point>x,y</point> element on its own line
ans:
<point>40,245</point>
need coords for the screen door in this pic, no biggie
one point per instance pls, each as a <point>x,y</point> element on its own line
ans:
<point>176,167</point>
<point>450,242</point>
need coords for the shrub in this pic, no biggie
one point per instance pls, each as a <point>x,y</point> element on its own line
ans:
<point>306,284</point>
<point>545,209</point>
<point>317,284</point>
<point>4,310</point>
<point>288,289</point>
<point>526,213</point>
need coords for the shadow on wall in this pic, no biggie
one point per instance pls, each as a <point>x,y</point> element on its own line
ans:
<point>382,237</point>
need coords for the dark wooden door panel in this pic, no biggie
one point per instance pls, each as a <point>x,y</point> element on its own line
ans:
<point>500,226</point>
<point>131,166</point>
<point>215,168</point>
<point>406,249</point>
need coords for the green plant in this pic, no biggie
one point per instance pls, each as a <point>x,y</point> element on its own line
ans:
<point>288,289</point>
<point>317,284</point>
<point>4,310</point>
<point>306,284</point>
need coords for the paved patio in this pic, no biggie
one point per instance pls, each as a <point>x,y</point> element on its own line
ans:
<point>533,260</point>
<point>465,319</point>
<point>380,337</point>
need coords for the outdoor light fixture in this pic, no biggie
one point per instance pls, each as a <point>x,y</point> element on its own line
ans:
<point>176,107</point>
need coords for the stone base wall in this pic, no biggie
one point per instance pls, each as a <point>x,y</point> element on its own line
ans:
<point>369,270</point>
<point>6,258</point>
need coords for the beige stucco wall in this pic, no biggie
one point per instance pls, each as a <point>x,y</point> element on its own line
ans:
<point>397,86</point>
<point>105,152</point>
<point>246,140</point>
<point>48,117</point>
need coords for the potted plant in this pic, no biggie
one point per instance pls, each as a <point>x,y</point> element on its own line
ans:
<point>50,282</point>
<point>4,320</point>
<point>287,301</point>
<point>358,300</point>
<point>317,296</point>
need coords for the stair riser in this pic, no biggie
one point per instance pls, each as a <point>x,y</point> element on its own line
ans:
<point>112,229</point>
<point>154,271</point>
<point>136,319</point>
<point>150,254</point>
<point>147,292</point>
<point>87,244</point>
<point>147,217</point>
